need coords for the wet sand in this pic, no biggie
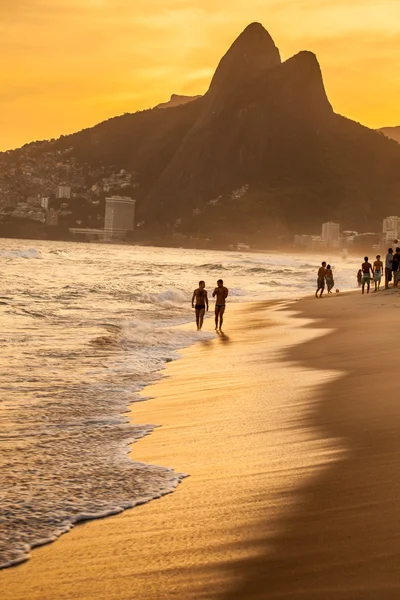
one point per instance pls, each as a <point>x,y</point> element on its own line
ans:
<point>289,429</point>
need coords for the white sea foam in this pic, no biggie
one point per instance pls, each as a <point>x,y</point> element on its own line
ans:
<point>28,253</point>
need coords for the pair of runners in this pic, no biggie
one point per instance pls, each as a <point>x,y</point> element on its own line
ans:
<point>369,272</point>
<point>200,302</point>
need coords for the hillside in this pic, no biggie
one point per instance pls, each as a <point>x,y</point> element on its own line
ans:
<point>391,132</point>
<point>177,100</point>
<point>261,154</point>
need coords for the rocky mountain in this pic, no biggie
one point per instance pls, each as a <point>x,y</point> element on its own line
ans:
<point>391,132</point>
<point>177,100</point>
<point>261,154</point>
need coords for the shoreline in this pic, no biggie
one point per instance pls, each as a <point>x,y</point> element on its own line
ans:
<point>292,458</point>
<point>154,449</point>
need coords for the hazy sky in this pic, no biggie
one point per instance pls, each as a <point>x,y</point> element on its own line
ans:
<point>68,64</point>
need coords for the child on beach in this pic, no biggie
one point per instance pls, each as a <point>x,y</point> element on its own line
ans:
<point>367,271</point>
<point>378,268</point>
<point>359,277</point>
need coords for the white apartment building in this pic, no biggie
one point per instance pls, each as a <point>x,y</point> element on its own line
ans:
<point>63,191</point>
<point>330,233</point>
<point>391,229</point>
<point>119,216</point>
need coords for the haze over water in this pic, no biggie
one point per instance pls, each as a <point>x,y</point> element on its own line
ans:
<point>84,327</point>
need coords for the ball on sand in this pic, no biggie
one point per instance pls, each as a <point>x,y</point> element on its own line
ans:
<point>337,291</point>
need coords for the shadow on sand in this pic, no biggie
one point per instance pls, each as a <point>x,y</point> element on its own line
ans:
<point>343,539</point>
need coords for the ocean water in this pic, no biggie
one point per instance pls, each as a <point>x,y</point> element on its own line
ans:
<point>84,328</point>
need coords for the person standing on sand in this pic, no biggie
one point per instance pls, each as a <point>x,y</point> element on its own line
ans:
<point>329,279</point>
<point>221,294</point>
<point>321,280</point>
<point>367,271</point>
<point>359,277</point>
<point>378,268</point>
<point>388,268</point>
<point>200,296</point>
<point>396,267</point>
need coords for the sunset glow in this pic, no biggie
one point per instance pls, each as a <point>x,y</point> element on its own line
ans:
<point>69,64</point>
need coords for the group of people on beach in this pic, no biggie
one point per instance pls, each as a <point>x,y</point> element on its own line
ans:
<point>375,271</point>
<point>200,303</point>
<point>367,273</point>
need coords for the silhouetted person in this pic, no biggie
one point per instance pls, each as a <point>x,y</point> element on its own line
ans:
<point>378,268</point>
<point>321,280</point>
<point>329,279</point>
<point>395,267</point>
<point>367,271</point>
<point>388,267</point>
<point>221,294</point>
<point>199,303</point>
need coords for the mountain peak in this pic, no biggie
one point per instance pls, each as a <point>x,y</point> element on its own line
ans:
<point>253,52</point>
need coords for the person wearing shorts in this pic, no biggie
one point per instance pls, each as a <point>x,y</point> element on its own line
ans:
<point>199,303</point>
<point>388,267</point>
<point>321,280</point>
<point>329,279</point>
<point>378,268</point>
<point>396,267</point>
<point>367,271</point>
<point>221,293</point>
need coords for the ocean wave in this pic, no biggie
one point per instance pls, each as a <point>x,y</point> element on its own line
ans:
<point>167,298</point>
<point>238,292</point>
<point>258,270</point>
<point>273,283</point>
<point>60,253</point>
<point>213,267</point>
<point>28,254</point>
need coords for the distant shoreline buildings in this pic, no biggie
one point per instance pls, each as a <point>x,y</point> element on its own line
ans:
<point>331,237</point>
<point>119,220</point>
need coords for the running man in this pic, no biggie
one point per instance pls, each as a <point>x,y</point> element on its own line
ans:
<point>321,280</point>
<point>378,269</point>
<point>200,296</point>
<point>367,271</point>
<point>221,293</point>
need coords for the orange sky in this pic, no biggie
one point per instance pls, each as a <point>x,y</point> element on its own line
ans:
<point>68,64</point>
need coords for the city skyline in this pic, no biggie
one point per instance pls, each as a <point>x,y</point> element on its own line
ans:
<point>71,65</point>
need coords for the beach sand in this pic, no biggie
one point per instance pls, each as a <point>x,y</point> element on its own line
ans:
<point>289,429</point>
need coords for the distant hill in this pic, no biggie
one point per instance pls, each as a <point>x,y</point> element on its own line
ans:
<point>261,154</point>
<point>177,100</point>
<point>391,132</point>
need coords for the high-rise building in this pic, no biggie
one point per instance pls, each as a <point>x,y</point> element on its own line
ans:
<point>391,229</point>
<point>63,191</point>
<point>119,216</point>
<point>330,233</point>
